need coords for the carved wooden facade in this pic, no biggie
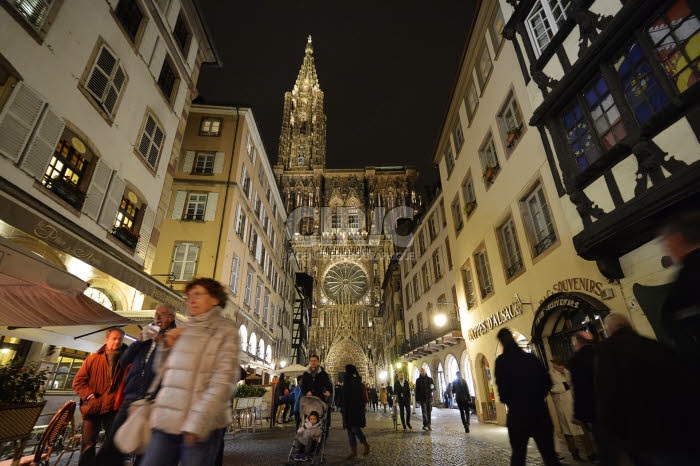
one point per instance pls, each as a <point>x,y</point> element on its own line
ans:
<point>617,105</point>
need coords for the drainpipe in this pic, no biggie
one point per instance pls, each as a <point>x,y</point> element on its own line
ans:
<point>228,185</point>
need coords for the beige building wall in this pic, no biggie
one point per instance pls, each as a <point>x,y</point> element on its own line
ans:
<point>223,195</point>
<point>526,263</point>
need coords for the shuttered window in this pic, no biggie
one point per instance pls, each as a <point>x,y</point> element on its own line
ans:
<point>106,80</point>
<point>151,141</point>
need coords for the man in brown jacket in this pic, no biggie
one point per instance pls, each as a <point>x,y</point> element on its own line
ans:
<point>97,383</point>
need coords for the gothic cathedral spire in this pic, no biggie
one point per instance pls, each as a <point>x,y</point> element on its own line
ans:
<point>303,136</point>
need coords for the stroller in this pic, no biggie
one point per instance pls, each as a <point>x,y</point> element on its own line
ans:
<point>317,453</point>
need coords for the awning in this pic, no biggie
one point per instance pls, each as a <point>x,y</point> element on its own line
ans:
<point>41,302</point>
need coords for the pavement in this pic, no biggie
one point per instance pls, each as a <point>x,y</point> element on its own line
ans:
<point>447,444</point>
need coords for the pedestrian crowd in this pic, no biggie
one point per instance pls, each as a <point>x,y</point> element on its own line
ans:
<point>606,398</point>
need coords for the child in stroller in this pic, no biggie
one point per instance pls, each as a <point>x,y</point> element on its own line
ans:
<point>308,435</point>
<point>309,443</point>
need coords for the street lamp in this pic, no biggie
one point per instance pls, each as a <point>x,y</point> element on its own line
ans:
<point>440,319</point>
<point>382,376</point>
<point>283,363</point>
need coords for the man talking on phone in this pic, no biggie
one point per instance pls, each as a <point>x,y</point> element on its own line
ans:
<point>139,357</point>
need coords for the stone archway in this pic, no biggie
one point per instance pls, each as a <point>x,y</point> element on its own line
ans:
<point>344,352</point>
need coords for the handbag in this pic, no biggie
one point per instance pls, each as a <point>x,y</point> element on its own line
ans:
<point>133,435</point>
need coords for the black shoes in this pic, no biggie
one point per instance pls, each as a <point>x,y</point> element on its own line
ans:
<point>425,427</point>
<point>409,425</point>
<point>466,429</point>
<point>429,427</point>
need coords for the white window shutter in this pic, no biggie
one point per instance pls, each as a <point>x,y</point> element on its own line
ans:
<point>17,119</point>
<point>111,204</point>
<point>101,73</point>
<point>157,59</point>
<point>219,162</point>
<point>210,213</point>
<point>192,52</point>
<point>148,41</point>
<point>115,87</point>
<point>43,144</point>
<point>179,205</point>
<point>189,161</point>
<point>147,222</point>
<point>97,189</point>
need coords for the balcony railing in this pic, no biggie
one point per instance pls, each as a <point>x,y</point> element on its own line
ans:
<point>432,334</point>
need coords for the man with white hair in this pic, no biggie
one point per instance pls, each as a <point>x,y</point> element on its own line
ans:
<point>635,377</point>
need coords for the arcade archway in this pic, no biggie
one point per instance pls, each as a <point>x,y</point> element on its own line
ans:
<point>559,317</point>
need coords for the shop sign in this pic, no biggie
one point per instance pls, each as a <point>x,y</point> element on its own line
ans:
<point>499,318</point>
<point>52,235</point>
<point>574,284</point>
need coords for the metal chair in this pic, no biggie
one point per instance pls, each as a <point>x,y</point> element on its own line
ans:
<point>54,432</point>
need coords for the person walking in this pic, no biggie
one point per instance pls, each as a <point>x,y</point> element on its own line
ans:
<point>279,394</point>
<point>680,314</point>
<point>382,397</point>
<point>523,384</point>
<point>582,378</point>
<point>354,402</point>
<point>97,383</point>
<point>137,360</point>
<point>424,396</point>
<point>199,371</point>
<point>632,379</point>
<point>464,399</point>
<point>374,398</point>
<point>402,389</point>
<point>564,406</point>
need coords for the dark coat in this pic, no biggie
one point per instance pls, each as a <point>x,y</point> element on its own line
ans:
<point>353,402</point>
<point>461,391</point>
<point>140,374</point>
<point>523,382</point>
<point>403,394</point>
<point>582,368</point>
<point>316,383</point>
<point>638,380</point>
<point>373,397</point>
<point>96,378</point>
<point>424,392</point>
<point>680,314</point>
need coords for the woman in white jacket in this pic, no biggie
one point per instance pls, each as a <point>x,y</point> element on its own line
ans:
<point>562,396</point>
<point>193,404</point>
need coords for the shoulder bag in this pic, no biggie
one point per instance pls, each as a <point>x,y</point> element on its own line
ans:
<point>133,436</point>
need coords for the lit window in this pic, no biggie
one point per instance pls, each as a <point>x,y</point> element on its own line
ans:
<point>210,127</point>
<point>642,91</point>
<point>675,37</point>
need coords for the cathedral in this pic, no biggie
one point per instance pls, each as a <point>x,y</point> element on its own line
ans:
<point>343,225</point>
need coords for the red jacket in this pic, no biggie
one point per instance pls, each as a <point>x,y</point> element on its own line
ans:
<point>95,378</point>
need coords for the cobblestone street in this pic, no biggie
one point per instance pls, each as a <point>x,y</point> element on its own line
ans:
<point>446,444</point>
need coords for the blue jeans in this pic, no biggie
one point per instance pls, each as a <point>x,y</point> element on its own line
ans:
<point>167,449</point>
<point>353,432</point>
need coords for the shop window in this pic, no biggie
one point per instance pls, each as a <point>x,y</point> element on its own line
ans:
<point>67,367</point>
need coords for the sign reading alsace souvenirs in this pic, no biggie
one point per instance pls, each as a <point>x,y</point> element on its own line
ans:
<point>499,318</point>
<point>574,284</point>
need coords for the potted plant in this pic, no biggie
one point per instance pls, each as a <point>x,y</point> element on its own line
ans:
<point>490,173</point>
<point>513,134</point>
<point>21,401</point>
<point>469,208</point>
<point>67,190</point>
<point>126,236</point>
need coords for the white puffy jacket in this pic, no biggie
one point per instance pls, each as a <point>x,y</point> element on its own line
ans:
<point>201,371</point>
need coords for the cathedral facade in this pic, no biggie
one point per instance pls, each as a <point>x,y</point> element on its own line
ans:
<point>343,224</point>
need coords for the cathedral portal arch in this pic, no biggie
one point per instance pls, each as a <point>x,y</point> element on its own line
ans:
<point>346,351</point>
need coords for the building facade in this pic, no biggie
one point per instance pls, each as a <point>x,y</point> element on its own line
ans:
<point>92,98</point>
<point>432,314</point>
<point>613,91</point>
<point>337,221</point>
<point>225,220</point>
<point>512,243</point>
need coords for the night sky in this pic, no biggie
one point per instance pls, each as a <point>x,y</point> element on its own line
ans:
<point>387,69</point>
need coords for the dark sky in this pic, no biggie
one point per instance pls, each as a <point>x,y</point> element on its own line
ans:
<point>386,67</point>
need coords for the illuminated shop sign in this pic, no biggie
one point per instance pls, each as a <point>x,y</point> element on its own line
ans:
<point>499,318</point>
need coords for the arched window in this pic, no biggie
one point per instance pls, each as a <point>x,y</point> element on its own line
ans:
<point>243,337</point>
<point>261,349</point>
<point>419,322</point>
<point>268,354</point>
<point>252,343</point>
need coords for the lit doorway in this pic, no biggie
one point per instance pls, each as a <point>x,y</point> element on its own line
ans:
<point>488,406</point>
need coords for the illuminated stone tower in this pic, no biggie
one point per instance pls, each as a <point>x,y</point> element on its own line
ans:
<point>303,137</point>
<point>337,219</point>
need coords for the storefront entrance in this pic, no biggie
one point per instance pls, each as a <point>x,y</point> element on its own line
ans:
<point>488,406</point>
<point>559,317</point>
